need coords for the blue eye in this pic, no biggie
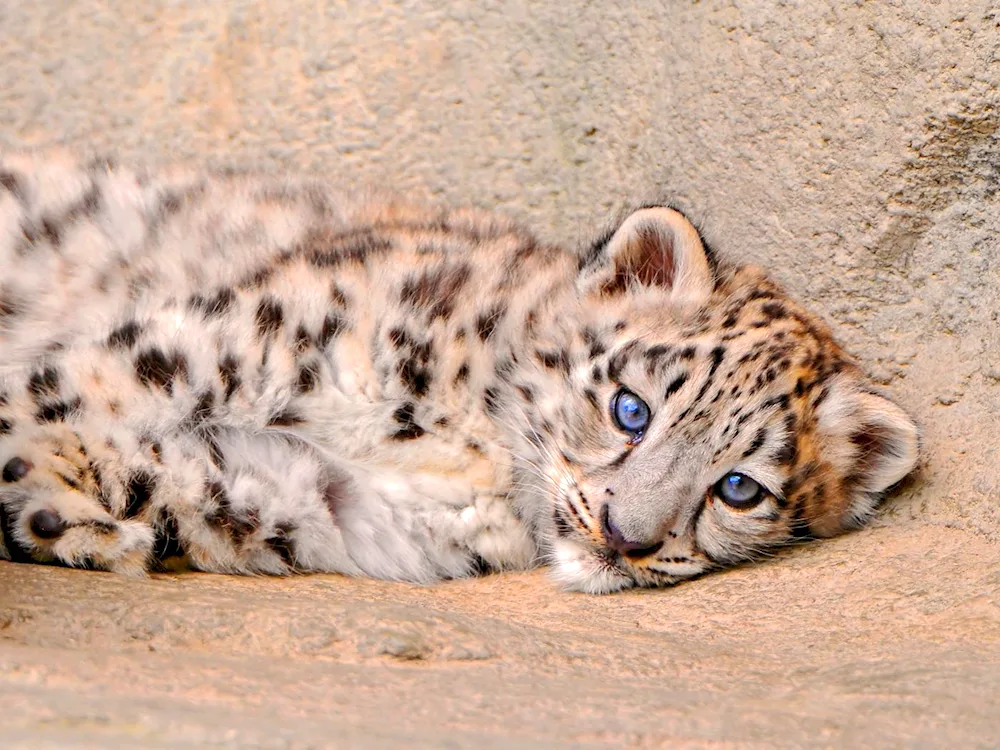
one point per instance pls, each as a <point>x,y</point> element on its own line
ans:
<point>739,491</point>
<point>630,412</point>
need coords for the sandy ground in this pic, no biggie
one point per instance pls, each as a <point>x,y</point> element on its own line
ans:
<point>884,638</point>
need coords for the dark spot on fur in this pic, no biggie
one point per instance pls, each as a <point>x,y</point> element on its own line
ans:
<point>478,566</point>
<point>51,232</point>
<point>125,336</point>
<point>414,376</point>
<point>774,310</point>
<point>168,538</point>
<point>10,305</point>
<point>716,355</point>
<point>527,393</point>
<point>170,204</point>
<point>203,408</point>
<point>10,182</point>
<point>333,324</point>
<point>351,247</point>
<point>595,253</point>
<point>281,543</point>
<point>463,373</point>
<point>335,492</point>
<point>487,322</point>
<point>285,418</point>
<point>675,385</point>
<point>237,525</point>
<point>229,374</point>
<point>788,451</point>
<point>399,338</point>
<point>799,477</point>
<point>491,400</point>
<point>43,383</point>
<point>302,339</point>
<point>436,290</point>
<point>91,202</point>
<point>563,526</point>
<point>308,378</point>
<point>215,454</point>
<point>258,278</point>
<point>139,490</point>
<point>337,296</point>
<point>213,306</point>
<point>687,353</point>
<point>269,316</point>
<point>57,411</point>
<point>653,353</point>
<point>409,429</point>
<point>619,459</point>
<point>593,341</point>
<point>780,401</point>
<point>155,368</point>
<point>70,482</point>
<point>554,360</point>
<point>757,442</point>
<point>799,525</point>
<point>16,552</point>
<point>503,369</point>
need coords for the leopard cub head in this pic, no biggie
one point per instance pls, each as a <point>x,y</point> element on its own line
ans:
<point>705,416</point>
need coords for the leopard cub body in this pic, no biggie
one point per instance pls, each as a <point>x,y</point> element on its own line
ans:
<point>245,375</point>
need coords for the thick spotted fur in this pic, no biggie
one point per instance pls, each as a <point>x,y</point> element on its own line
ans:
<point>249,375</point>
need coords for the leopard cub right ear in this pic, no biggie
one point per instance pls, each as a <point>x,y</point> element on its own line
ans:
<point>654,247</point>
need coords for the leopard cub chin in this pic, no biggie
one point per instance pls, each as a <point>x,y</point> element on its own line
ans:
<point>238,374</point>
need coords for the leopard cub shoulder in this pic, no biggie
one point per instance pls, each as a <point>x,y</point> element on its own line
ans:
<point>240,374</point>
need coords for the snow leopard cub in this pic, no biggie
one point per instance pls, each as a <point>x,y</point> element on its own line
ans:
<point>246,375</point>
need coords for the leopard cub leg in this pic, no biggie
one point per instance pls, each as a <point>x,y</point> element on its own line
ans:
<point>54,507</point>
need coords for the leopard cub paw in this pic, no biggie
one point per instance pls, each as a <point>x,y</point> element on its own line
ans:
<point>51,509</point>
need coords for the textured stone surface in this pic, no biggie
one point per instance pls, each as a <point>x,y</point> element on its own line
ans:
<point>852,147</point>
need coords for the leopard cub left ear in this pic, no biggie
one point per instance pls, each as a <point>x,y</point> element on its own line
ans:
<point>654,247</point>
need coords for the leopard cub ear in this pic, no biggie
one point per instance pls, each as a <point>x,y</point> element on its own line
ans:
<point>654,247</point>
<point>871,443</point>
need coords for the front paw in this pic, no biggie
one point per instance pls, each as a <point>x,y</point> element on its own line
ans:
<point>51,503</point>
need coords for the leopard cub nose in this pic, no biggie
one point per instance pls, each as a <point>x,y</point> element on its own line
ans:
<point>617,541</point>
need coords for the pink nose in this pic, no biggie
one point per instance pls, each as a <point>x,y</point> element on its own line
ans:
<point>616,540</point>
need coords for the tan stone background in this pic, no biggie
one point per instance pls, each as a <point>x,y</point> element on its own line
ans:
<point>853,147</point>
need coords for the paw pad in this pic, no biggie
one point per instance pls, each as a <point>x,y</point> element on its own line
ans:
<point>45,523</point>
<point>16,469</point>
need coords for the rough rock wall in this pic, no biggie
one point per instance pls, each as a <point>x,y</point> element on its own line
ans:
<point>853,148</point>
